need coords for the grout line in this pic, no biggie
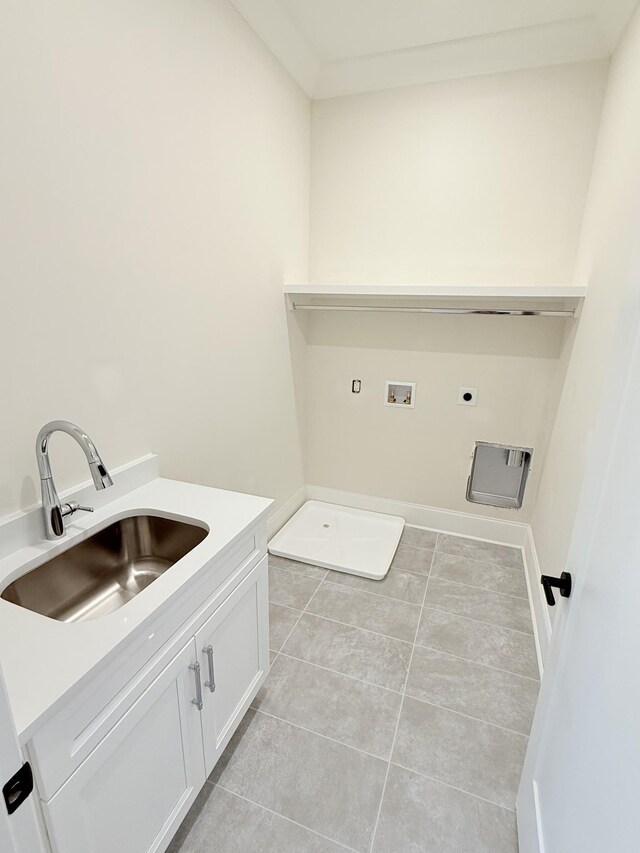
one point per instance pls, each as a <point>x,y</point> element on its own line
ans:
<point>284,817</point>
<point>393,568</point>
<point>395,733</point>
<point>286,639</point>
<point>313,595</point>
<point>453,787</point>
<point>516,569</point>
<point>520,569</point>
<point>301,574</point>
<point>358,627</point>
<point>491,624</point>
<point>482,588</point>
<point>519,548</point>
<point>477,662</point>
<point>344,674</point>
<point>320,734</point>
<point>377,594</point>
<point>397,692</point>
<point>419,547</point>
<point>346,625</point>
<point>423,607</point>
<point>295,625</point>
<point>380,594</point>
<point>467,716</point>
<point>479,621</point>
<point>286,606</point>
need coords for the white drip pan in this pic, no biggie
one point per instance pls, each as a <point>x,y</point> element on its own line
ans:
<point>337,537</point>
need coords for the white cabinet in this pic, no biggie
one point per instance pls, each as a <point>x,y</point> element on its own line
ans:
<point>135,786</point>
<point>233,646</point>
<point>133,790</point>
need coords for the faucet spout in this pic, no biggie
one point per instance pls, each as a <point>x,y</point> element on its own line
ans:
<point>53,511</point>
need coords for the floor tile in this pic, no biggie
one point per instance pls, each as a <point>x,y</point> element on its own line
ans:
<point>194,817</point>
<point>304,569</point>
<point>289,589</point>
<point>364,610</point>
<point>489,694</point>
<point>316,782</point>
<point>483,575</point>
<point>405,586</point>
<point>305,772</point>
<point>419,814</point>
<point>281,621</point>
<point>488,552</point>
<point>352,712</point>
<point>352,651</point>
<point>483,605</point>
<point>412,559</point>
<point>229,824</point>
<point>489,644</point>
<point>471,755</point>
<point>418,537</point>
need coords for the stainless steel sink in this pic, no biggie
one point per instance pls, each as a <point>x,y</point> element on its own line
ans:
<point>99,575</point>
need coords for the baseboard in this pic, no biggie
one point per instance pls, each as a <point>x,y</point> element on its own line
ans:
<point>284,512</point>
<point>539,608</point>
<point>443,520</point>
<point>517,534</point>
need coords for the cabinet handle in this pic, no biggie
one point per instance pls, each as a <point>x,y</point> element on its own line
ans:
<point>195,668</point>
<point>211,683</point>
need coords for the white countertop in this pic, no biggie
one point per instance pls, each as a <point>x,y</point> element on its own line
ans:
<point>42,658</point>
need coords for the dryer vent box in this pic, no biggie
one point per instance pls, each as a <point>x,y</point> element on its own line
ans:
<point>499,474</point>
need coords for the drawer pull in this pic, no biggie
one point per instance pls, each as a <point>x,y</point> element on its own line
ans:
<point>195,667</point>
<point>211,683</point>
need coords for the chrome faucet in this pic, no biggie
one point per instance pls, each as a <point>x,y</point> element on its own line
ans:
<point>54,511</point>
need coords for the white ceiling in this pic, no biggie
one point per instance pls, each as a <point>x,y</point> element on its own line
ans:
<point>338,47</point>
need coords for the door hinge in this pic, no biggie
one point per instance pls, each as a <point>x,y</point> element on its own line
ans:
<point>18,788</point>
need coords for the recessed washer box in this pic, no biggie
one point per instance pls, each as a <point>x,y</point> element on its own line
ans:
<point>402,395</point>
<point>335,537</point>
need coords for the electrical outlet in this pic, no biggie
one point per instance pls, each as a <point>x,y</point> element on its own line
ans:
<point>467,396</point>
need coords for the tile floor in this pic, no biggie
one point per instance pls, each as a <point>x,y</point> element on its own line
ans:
<point>396,714</point>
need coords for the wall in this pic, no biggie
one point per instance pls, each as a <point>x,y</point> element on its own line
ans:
<point>155,172</point>
<point>471,181</point>
<point>423,455</point>
<point>609,263</point>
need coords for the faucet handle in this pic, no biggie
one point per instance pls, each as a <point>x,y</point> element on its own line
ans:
<point>70,507</point>
<point>57,524</point>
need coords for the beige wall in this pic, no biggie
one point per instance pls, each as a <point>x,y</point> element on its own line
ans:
<point>422,455</point>
<point>470,181</point>
<point>480,180</point>
<point>155,172</point>
<point>609,263</point>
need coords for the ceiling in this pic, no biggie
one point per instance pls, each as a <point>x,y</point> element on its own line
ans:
<point>338,47</point>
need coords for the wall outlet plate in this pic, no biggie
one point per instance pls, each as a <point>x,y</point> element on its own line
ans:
<point>400,395</point>
<point>467,396</point>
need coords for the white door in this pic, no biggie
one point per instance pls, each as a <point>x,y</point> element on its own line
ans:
<point>131,793</point>
<point>19,831</point>
<point>234,656</point>
<point>581,780</point>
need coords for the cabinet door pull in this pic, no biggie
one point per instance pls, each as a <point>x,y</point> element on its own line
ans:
<point>211,683</point>
<point>195,668</point>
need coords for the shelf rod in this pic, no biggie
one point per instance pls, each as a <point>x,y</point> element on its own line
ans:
<point>500,312</point>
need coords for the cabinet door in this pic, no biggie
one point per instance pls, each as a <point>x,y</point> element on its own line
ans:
<point>233,646</point>
<point>133,790</point>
